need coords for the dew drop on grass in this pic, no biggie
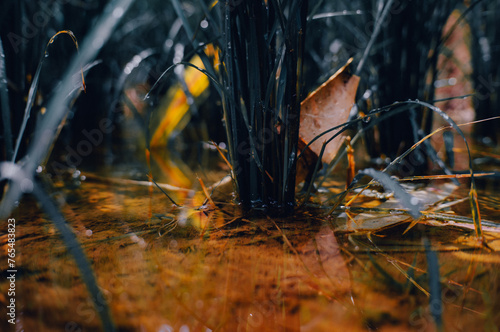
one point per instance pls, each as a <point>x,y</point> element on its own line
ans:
<point>414,201</point>
<point>26,185</point>
<point>169,43</point>
<point>118,12</point>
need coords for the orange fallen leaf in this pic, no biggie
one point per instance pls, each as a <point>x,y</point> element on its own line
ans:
<point>306,163</point>
<point>327,107</point>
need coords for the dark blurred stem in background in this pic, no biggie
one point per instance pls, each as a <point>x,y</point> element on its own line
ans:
<point>405,60</point>
<point>262,53</point>
<point>485,52</point>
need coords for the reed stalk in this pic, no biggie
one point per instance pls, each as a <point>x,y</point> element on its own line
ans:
<point>261,54</point>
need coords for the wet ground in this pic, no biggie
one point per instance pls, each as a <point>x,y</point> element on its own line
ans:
<point>211,268</point>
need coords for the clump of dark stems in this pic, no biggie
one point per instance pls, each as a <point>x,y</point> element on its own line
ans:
<point>402,66</point>
<point>482,17</point>
<point>262,48</point>
<point>261,54</point>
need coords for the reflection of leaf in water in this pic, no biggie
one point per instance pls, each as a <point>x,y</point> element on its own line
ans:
<point>322,256</point>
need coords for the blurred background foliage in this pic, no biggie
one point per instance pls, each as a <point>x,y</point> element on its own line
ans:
<point>400,64</point>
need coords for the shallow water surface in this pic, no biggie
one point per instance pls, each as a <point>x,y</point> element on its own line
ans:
<point>166,268</point>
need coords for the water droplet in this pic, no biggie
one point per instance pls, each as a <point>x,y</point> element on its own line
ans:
<point>366,119</point>
<point>27,185</point>
<point>118,12</point>
<point>169,43</point>
<point>166,328</point>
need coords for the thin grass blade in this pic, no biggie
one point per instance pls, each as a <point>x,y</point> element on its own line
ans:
<point>406,199</point>
<point>34,87</point>
<point>435,301</point>
<point>57,106</point>
<point>4,97</point>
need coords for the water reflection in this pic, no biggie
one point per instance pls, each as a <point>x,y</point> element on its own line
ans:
<point>221,270</point>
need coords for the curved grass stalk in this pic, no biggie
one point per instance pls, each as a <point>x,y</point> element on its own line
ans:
<point>57,107</point>
<point>212,78</point>
<point>472,193</point>
<point>34,87</point>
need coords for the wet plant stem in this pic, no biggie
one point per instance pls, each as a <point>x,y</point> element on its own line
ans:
<point>262,54</point>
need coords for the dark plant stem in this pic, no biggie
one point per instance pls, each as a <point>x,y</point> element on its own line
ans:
<point>406,62</point>
<point>485,52</point>
<point>262,55</point>
<point>5,106</point>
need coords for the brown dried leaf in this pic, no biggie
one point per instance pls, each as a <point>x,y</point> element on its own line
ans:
<point>306,163</point>
<point>327,107</point>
